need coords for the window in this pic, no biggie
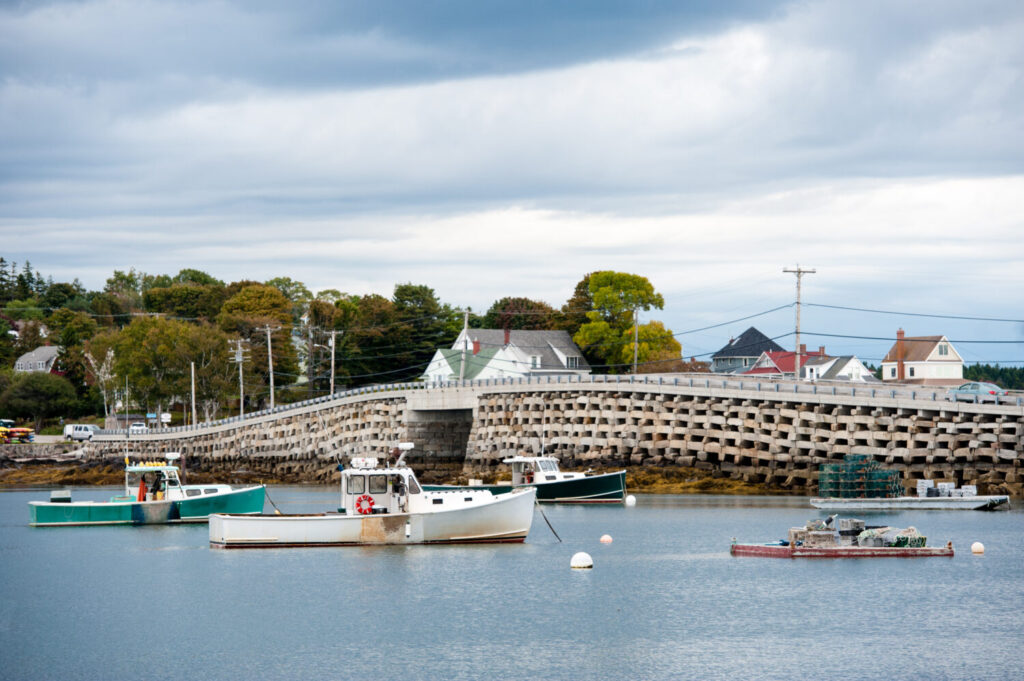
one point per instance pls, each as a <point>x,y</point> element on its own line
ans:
<point>356,484</point>
<point>547,465</point>
<point>378,484</point>
<point>943,349</point>
<point>39,365</point>
<point>535,361</point>
<point>414,487</point>
<point>193,492</point>
<point>210,490</point>
<point>572,362</point>
<point>911,372</point>
<point>892,372</point>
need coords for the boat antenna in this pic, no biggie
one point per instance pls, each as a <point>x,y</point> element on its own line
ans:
<point>404,447</point>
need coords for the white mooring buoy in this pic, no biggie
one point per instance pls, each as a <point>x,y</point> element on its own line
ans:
<point>581,561</point>
<point>606,539</point>
<point>630,500</point>
<point>977,548</point>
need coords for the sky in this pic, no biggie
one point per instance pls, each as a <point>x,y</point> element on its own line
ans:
<point>491,149</point>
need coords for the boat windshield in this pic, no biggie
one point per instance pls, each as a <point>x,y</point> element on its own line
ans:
<point>378,484</point>
<point>548,466</point>
<point>414,487</point>
<point>356,484</point>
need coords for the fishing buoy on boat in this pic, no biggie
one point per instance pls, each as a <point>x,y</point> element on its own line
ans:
<point>630,500</point>
<point>606,539</point>
<point>581,561</point>
<point>977,548</point>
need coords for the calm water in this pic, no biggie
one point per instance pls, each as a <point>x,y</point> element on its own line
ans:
<point>665,601</point>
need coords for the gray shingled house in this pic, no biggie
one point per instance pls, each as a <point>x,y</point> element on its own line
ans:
<point>739,354</point>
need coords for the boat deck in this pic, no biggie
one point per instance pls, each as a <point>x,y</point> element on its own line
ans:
<point>776,551</point>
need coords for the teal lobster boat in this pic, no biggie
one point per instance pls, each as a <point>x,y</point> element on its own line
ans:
<point>153,495</point>
<point>555,486</point>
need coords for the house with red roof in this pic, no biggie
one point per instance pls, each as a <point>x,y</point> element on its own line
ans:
<point>781,363</point>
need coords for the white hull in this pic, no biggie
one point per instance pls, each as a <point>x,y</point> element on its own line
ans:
<point>504,518</point>
<point>975,503</point>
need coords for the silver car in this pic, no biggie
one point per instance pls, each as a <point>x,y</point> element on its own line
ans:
<point>976,392</point>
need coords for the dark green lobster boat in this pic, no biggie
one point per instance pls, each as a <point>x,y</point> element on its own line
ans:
<point>555,486</point>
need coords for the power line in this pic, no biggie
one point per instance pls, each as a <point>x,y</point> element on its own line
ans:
<point>917,314</point>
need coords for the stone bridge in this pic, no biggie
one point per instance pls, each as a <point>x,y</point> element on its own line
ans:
<point>776,433</point>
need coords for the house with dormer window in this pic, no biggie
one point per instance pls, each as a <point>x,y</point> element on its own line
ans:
<point>507,353</point>
<point>923,360</point>
<point>43,359</point>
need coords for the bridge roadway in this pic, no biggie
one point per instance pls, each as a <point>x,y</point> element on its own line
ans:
<point>770,432</point>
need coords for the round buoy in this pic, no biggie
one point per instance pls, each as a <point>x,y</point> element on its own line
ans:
<point>581,561</point>
<point>630,500</point>
<point>977,548</point>
<point>606,539</point>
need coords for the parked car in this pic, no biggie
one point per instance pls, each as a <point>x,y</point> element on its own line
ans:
<point>137,427</point>
<point>80,431</point>
<point>976,392</point>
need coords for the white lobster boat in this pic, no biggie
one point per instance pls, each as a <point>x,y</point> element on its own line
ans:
<point>386,505</point>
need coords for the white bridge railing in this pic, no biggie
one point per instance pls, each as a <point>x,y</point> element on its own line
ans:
<point>706,381</point>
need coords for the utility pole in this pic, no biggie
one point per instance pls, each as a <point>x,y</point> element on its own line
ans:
<point>193,393</point>
<point>799,272</point>
<point>239,358</point>
<point>636,336</point>
<point>465,341</point>
<point>333,335</point>
<point>270,362</point>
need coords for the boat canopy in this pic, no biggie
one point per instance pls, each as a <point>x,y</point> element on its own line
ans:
<point>529,459</point>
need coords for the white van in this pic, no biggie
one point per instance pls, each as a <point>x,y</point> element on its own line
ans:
<point>79,431</point>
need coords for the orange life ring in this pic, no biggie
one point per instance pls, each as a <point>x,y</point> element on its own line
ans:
<point>364,504</point>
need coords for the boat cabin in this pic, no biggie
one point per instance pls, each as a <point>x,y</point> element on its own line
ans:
<point>367,489</point>
<point>158,481</point>
<point>531,470</point>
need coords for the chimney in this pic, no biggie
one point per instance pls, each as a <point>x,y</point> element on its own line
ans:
<point>803,349</point>
<point>901,354</point>
<point>821,350</point>
<point>476,346</point>
<point>508,336</point>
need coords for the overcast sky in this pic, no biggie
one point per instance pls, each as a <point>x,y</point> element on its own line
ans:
<point>489,149</point>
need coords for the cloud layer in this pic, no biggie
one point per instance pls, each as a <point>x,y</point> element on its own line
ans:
<point>492,152</point>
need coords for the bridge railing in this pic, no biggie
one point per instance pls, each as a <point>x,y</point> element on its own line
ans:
<point>708,381</point>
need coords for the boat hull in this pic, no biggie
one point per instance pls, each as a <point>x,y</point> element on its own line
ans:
<point>605,488</point>
<point>504,518</point>
<point>851,506</point>
<point>774,551</point>
<point>190,510</point>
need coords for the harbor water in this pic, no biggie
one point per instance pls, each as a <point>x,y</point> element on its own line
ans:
<point>665,600</point>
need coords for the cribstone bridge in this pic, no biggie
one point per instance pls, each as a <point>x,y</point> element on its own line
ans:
<point>776,433</point>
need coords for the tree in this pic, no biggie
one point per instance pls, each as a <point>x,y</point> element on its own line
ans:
<point>197,277</point>
<point>247,314</point>
<point>146,355</point>
<point>519,313</point>
<point>99,358</point>
<point>27,308</point>
<point>615,296</point>
<point>29,338</point>
<point>573,314</point>
<point>38,395</point>
<point>187,300</point>
<point>207,347</point>
<point>657,350</point>
<point>294,291</point>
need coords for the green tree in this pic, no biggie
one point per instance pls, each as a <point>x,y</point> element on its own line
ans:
<point>186,300</point>
<point>27,308</point>
<point>615,296</point>
<point>519,313</point>
<point>197,277</point>
<point>146,355</point>
<point>29,338</point>
<point>207,347</point>
<point>294,291</point>
<point>573,314</point>
<point>38,395</point>
<point>246,314</point>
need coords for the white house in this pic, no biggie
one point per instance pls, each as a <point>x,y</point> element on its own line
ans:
<point>497,353</point>
<point>843,368</point>
<point>41,359</point>
<point>923,360</point>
